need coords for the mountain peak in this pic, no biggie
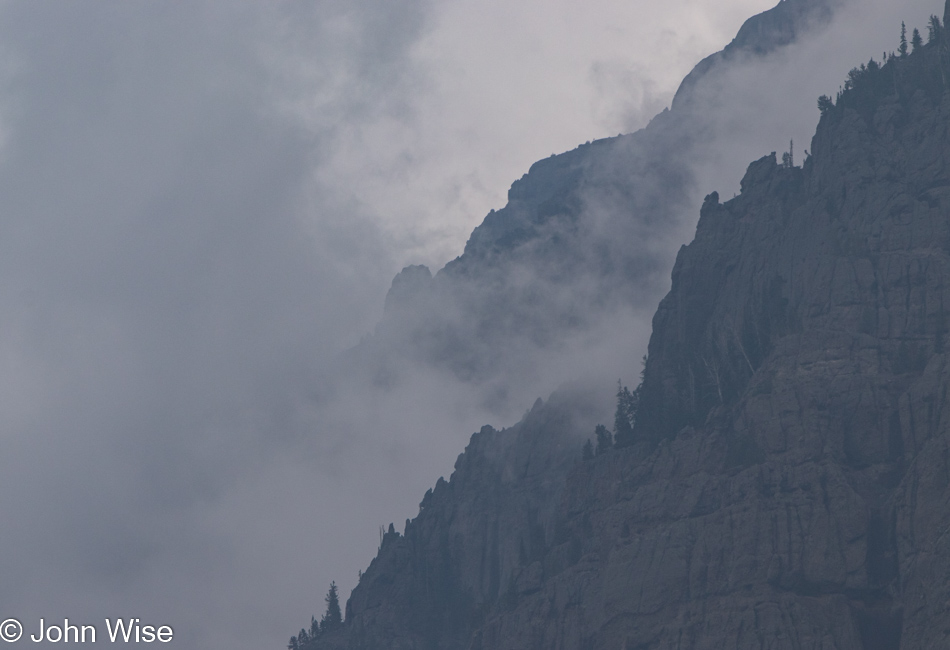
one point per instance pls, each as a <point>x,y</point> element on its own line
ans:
<point>759,35</point>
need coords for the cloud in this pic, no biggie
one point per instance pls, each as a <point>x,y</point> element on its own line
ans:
<point>173,277</point>
<point>202,204</point>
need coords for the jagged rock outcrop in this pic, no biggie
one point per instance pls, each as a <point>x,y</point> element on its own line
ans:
<point>790,483</point>
<point>431,586</point>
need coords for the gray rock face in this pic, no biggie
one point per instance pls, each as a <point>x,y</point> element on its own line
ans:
<point>432,586</point>
<point>791,479</point>
<point>791,486</point>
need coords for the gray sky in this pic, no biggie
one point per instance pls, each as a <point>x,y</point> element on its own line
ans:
<point>201,203</point>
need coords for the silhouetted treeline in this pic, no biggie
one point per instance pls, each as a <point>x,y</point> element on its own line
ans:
<point>332,619</point>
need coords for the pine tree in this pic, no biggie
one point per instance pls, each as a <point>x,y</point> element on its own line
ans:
<point>333,617</point>
<point>604,439</point>
<point>825,104</point>
<point>788,158</point>
<point>625,415</point>
<point>588,453</point>
<point>934,27</point>
<point>903,48</point>
<point>916,41</point>
<point>293,645</point>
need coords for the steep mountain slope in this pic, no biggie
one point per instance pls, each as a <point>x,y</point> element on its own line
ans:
<point>586,235</point>
<point>790,480</point>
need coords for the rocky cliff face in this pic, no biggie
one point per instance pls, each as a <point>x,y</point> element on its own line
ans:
<point>790,483</point>
<point>433,585</point>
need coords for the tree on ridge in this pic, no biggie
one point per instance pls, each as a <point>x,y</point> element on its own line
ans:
<point>333,617</point>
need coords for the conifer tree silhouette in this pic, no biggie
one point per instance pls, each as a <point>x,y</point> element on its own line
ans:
<point>333,617</point>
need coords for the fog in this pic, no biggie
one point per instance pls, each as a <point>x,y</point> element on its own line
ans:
<point>202,207</point>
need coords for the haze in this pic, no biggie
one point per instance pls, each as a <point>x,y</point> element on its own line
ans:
<point>202,204</point>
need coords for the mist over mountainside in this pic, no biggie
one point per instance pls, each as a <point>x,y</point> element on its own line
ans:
<point>577,260</point>
<point>786,482</point>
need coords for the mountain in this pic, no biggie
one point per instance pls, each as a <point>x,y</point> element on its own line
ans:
<point>587,238</point>
<point>788,480</point>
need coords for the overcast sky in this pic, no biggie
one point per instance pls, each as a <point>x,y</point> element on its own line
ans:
<point>201,203</point>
